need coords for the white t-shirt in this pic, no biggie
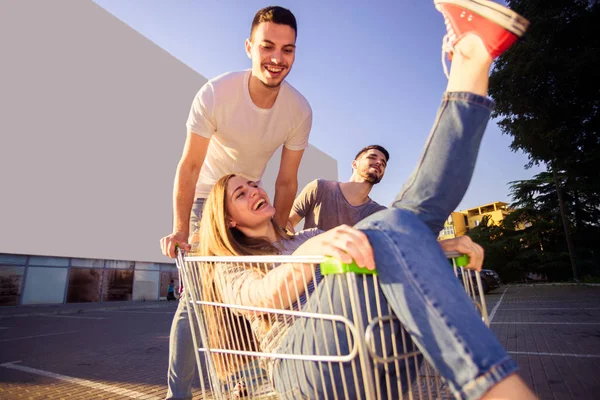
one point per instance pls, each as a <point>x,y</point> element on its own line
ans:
<point>243,136</point>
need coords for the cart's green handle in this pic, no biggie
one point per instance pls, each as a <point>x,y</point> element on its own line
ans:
<point>462,261</point>
<point>333,266</point>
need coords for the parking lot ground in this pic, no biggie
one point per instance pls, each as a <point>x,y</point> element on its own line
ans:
<point>99,353</point>
<point>553,332</point>
<point>121,351</point>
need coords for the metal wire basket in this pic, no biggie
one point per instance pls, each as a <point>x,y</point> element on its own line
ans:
<point>371,355</point>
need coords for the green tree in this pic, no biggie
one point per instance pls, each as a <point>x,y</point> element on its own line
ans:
<point>513,254</point>
<point>547,87</point>
<point>502,250</point>
<point>530,239</point>
<point>547,93</point>
<point>536,204</point>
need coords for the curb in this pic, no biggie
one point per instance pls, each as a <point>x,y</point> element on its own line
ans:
<point>555,284</point>
<point>84,310</point>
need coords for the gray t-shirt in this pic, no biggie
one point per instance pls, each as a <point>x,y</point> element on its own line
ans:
<point>323,205</point>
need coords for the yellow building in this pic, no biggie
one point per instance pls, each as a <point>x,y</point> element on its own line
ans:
<point>455,225</point>
<point>459,222</point>
<point>496,211</point>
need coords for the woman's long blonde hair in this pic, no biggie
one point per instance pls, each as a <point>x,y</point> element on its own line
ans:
<point>217,238</point>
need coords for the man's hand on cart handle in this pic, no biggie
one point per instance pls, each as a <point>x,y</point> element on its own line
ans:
<point>464,245</point>
<point>169,244</point>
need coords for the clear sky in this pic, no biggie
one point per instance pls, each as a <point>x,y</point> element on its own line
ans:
<point>371,71</point>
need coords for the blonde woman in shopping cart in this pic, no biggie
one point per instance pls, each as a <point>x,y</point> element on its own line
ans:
<point>414,278</point>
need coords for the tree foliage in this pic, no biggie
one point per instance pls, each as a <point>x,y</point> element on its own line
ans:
<point>547,93</point>
<point>502,250</point>
<point>547,86</point>
<point>541,247</point>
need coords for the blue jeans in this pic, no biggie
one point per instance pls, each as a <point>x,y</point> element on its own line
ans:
<point>414,277</point>
<point>182,358</point>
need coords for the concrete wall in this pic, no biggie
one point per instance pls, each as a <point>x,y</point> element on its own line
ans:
<point>92,128</point>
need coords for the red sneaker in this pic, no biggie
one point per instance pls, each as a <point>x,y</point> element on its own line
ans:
<point>497,26</point>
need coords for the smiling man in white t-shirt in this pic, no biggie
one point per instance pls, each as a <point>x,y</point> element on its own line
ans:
<point>236,122</point>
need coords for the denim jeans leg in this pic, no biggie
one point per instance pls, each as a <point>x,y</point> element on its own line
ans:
<point>414,273</point>
<point>421,288</point>
<point>182,359</point>
<point>446,166</point>
<point>312,380</point>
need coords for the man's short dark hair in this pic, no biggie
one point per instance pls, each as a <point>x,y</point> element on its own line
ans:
<point>275,14</point>
<point>374,147</point>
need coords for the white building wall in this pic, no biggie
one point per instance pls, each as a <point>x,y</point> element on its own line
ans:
<point>92,128</point>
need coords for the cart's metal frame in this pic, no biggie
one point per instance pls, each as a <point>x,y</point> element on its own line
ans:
<point>361,332</point>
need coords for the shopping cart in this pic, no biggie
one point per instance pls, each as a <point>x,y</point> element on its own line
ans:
<point>371,367</point>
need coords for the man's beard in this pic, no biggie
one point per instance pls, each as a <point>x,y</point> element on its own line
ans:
<point>372,178</point>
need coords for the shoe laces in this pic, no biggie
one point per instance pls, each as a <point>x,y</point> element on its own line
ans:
<point>447,45</point>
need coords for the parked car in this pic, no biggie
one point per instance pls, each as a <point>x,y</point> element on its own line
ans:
<point>532,277</point>
<point>489,279</point>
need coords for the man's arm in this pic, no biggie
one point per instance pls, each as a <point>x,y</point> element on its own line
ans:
<point>201,125</point>
<point>186,178</point>
<point>286,184</point>
<point>184,187</point>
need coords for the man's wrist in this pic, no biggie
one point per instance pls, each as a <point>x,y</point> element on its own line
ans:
<point>180,232</point>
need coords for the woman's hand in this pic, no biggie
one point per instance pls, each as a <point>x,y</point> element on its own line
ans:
<point>344,243</point>
<point>464,245</point>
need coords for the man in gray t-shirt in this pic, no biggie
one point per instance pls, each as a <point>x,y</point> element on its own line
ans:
<point>327,204</point>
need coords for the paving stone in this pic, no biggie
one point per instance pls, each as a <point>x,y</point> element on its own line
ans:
<point>564,323</point>
<point>128,349</point>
